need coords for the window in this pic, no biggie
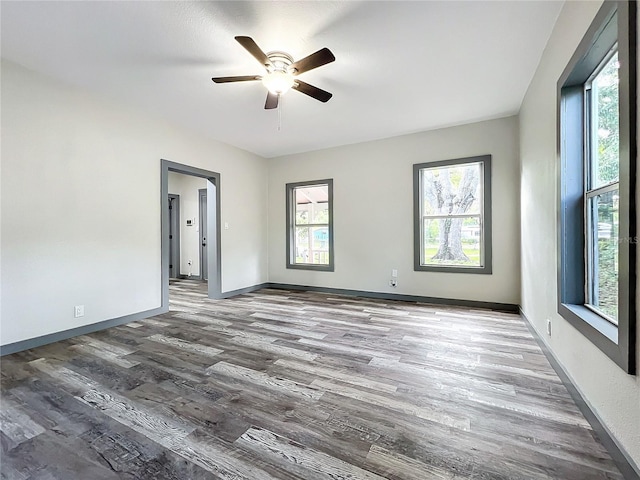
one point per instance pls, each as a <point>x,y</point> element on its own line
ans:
<point>602,188</point>
<point>597,123</point>
<point>310,225</point>
<point>452,215</point>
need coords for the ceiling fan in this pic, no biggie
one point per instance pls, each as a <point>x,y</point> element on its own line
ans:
<point>282,72</point>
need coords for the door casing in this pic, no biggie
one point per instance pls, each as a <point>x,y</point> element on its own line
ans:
<point>214,254</point>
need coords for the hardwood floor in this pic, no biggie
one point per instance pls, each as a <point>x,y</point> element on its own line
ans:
<point>280,384</point>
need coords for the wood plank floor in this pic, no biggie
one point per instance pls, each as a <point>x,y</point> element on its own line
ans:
<point>280,384</point>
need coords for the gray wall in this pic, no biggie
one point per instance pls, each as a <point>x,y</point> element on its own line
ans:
<point>81,206</point>
<point>613,394</point>
<point>373,212</point>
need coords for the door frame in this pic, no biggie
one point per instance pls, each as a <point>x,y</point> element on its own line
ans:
<point>201,192</point>
<point>176,234</point>
<point>214,253</point>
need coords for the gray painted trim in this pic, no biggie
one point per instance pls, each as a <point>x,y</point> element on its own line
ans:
<point>240,291</point>
<point>622,459</point>
<point>614,20</point>
<point>213,214</point>
<point>486,217</point>
<point>176,243</point>
<point>74,332</point>
<point>291,211</point>
<point>503,307</point>
<point>214,262</point>
<point>628,177</point>
<point>571,206</point>
<point>603,34</point>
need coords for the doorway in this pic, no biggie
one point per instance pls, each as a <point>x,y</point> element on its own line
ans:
<point>210,230</point>
<point>202,197</point>
<point>174,236</point>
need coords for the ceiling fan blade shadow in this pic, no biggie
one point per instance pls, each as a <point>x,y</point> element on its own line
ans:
<point>253,48</point>
<point>315,60</point>
<point>314,92</point>
<point>272,101</point>
<point>243,78</point>
<point>341,17</point>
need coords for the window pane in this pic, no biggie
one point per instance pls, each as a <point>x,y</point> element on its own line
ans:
<point>452,241</point>
<point>312,245</point>
<point>606,127</point>
<point>603,253</point>
<point>302,213</point>
<point>321,213</point>
<point>312,204</point>
<point>452,190</point>
<point>302,245</point>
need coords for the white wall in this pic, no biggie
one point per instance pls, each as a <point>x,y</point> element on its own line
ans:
<point>373,212</point>
<point>187,187</point>
<point>614,394</point>
<point>81,206</point>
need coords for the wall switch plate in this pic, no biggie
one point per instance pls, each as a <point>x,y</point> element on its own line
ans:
<point>78,311</point>
<point>226,225</point>
<point>394,273</point>
<point>548,326</point>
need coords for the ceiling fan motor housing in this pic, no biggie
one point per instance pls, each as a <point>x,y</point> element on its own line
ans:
<point>280,62</point>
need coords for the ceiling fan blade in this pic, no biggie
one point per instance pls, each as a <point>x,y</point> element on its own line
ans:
<point>253,48</point>
<point>315,60</point>
<point>312,91</point>
<point>245,78</point>
<point>272,101</point>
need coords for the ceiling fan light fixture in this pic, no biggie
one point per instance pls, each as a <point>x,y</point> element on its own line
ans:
<point>278,82</point>
<point>282,72</point>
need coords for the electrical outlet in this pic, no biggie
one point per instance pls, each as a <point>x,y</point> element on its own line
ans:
<point>393,282</point>
<point>189,262</point>
<point>548,326</point>
<point>78,311</point>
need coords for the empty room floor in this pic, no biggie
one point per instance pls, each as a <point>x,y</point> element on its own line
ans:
<point>281,384</point>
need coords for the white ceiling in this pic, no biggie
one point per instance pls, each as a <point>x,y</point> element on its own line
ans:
<point>401,67</point>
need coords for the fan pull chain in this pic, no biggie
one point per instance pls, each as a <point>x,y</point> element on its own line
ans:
<point>279,112</point>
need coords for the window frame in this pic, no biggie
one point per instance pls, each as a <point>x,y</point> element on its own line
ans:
<point>485,217</point>
<point>291,225</point>
<point>615,23</point>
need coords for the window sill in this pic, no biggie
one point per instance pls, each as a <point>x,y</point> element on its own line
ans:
<point>602,333</point>
<point>319,268</point>
<point>587,316</point>
<point>453,269</point>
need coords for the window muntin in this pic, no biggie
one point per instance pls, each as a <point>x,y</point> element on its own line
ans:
<point>601,197</point>
<point>309,225</point>
<point>452,210</point>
